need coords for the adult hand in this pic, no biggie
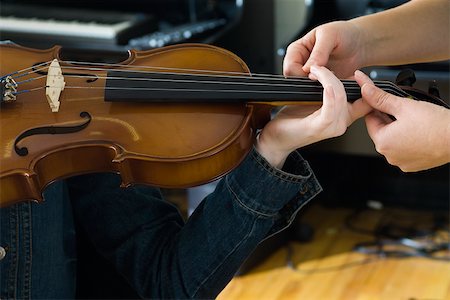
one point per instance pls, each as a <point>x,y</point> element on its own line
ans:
<point>418,139</point>
<point>296,126</point>
<point>336,45</point>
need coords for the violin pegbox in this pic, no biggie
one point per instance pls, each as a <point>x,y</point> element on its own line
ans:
<point>55,85</point>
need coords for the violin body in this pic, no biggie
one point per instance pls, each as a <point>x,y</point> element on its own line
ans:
<point>161,144</point>
<point>172,117</point>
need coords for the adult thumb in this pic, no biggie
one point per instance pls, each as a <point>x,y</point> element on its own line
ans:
<point>381,100</point>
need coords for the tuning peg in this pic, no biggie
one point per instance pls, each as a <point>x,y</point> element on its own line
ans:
<point>433,88</point>
<point>406,78</point>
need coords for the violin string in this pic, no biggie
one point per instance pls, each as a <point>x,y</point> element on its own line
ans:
<point>29,90</point>
<point>198,72</point>
<point>213,90</point>
<point>170,89</point>
<point>349,91</point>
<point>350,83</point>
<point>170,69</point>
<point>387,86</point>
<point>129,68</point>
<point>199,90</point>
<point>41,66</point>
<point>200,81</point>
<point>203,73</point>
<point>319,92</point>
<point>218,73</point>
<point>188,72</point>
<point>30,79</point>
<point>186,90</point>
<point>347,83</point>
<point>177,80</point>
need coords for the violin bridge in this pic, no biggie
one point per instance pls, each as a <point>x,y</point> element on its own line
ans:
<point>55,85</point>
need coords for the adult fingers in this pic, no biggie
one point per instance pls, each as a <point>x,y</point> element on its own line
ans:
<point>362,78</point>
<point>375,122</point>
<point>334,97</point>
<point>381,100</point>
<point>376,97</point>
<point>360,109</point>
<point>327,77</point>
<point>297,54</point>
<point>324,45</point>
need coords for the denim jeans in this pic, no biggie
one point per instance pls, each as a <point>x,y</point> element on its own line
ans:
<point>40,255</point>
<point>145,237</point>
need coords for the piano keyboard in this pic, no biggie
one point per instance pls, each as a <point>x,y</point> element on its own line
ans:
<point>72,26</point>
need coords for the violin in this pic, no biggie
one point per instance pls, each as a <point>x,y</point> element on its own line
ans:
<point>172,117</point>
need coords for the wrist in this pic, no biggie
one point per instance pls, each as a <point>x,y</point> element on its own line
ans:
<point>439,143</point>
<point>363,43</point>
<point>275,157</point>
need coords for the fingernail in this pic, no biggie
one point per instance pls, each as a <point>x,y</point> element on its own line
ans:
<point>362,76</point>
<point>312,76</point>
<point>358,72</point>
<point>313,72</point>
<point>368,89</point>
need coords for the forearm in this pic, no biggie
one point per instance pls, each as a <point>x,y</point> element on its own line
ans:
<point>437,144</point>
<point>146,240</point>
<point>417,31</point>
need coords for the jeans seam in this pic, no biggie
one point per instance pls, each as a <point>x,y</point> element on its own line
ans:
<point>14,267</point>
<point>28,252</point>
<point>293,214</point>
<point>242,204</point>
<point>229,254</point>
<point>281,174</point>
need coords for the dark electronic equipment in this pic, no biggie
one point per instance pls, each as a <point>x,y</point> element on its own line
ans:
<point>114,25</point>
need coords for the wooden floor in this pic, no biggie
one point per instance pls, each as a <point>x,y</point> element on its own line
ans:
<point>327,269</point>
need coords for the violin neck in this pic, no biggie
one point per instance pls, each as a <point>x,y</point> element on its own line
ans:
<point>190,88</point>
